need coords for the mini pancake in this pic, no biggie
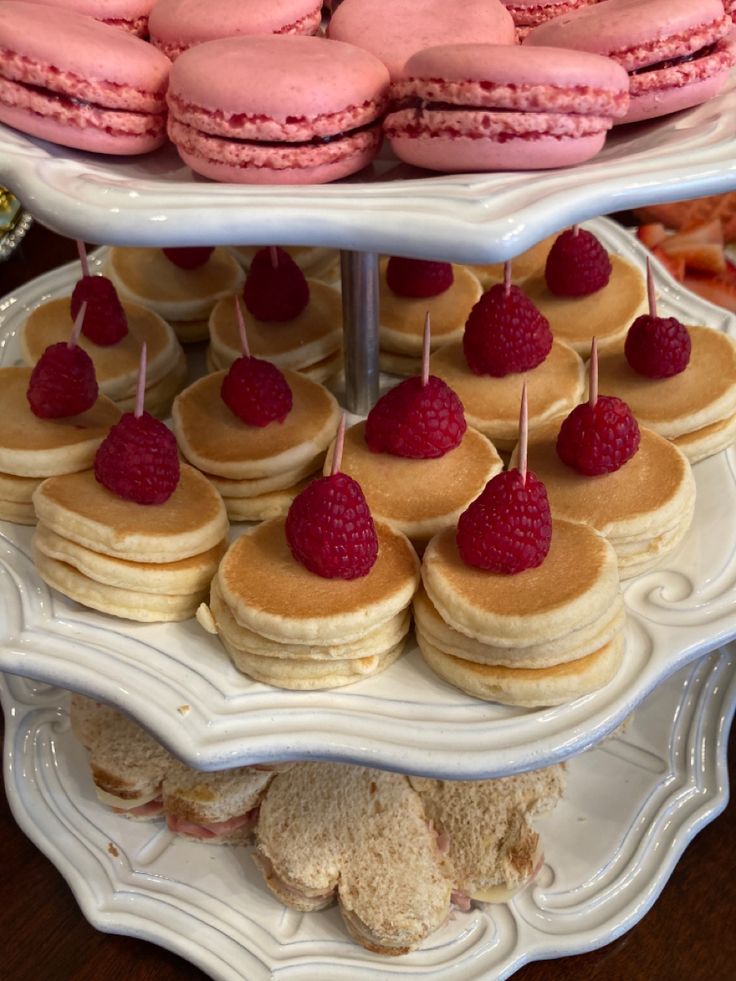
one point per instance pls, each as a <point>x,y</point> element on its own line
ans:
<point>262,485</point>
<point>606,314</point>
<point>271,504</point>
<point>158,397</point>
<point>314,261</point>
<point>285,601</point>
<point>218,618</point>
<point>570,647</point>
<point>401,327</point>
<point>312,336</point>
<point>522,266</point>
<point>705,442</point>
<point>528,687</point>
<point>320,371</point>
<point>399,364</point>
<point>652,493</point>
<point>215,440</point>
<point>34,447</point>
<point>182,578</point>
<point>18,489</point>
<point>116,365</point>
<point>310,675</point>
<point>132,604</point>
<point>180,296</point>
<point>79,508</point>
<point>419,497</point>
<point>702,395</point>
<point>19,512</point>
<point>577,582</point>
<point>492,404</point>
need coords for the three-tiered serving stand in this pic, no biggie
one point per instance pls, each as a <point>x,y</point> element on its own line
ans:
<point>181,686</point>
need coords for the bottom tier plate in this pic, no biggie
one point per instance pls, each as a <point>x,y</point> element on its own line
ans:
<point>632,805</point>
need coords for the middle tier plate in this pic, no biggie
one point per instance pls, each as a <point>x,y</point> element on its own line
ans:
<point>178,681</point>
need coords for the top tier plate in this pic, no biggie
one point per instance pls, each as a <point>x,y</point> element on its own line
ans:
<point>155,200</point>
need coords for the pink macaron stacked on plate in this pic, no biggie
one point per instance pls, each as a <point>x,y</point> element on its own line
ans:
<point>176,25</point>
<point>71,80</point>
<point>678,52</point>
<point>277,110</point>
<point>128,15</point>
<point>527,14</point>
<point>393,30</point>
<point>469,107</point>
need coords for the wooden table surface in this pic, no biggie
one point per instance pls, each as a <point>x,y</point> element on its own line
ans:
<point>688,934</point>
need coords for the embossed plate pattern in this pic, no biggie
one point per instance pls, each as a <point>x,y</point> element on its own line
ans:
<point>154,199</point>
<point>178,681</point>
<point>657,786</point>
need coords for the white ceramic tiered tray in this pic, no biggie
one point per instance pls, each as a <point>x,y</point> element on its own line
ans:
<point>155,200</point>
<point>178,681</point>
<point>631,807</point>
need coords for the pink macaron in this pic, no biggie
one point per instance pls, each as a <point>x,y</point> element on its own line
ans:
<point>527,14</point>
<point>71,80</point>
<point>176,25</point>
<point>468,107</point>
<point>128,15</point>
<point>393,30</point>
<point>677,52</point>
<point>277,109</point>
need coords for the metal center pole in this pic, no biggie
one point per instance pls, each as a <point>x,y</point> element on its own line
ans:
<point>359,272</point>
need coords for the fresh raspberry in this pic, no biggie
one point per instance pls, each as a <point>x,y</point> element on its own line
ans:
<point>105,322</point>
<point>657,347</point>
<point>63,382</point>
<point>138,460</point>
<point>256,391</point>
<point>577,264</point>
<point>600,438</point>
<point>415,420</point>
<point>509,527</point>
<point>330,530</point>
<point>275,293</point>
<point>418,277</point>
<point>505,333</point>
<point>189,258</point>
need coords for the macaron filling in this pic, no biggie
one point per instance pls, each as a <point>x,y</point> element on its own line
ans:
<point>708,62</point>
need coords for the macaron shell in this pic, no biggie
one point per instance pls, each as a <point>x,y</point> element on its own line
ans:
<point>176,25</point>
<point>394,30</point>
<point>127,15</point>
<point>80,49</point>
<point>661,101</point>
<point>623,25</point>
<point>278,78</point>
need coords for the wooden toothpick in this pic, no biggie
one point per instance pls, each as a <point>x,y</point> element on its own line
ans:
<point>241,328</point>
<point>593,374</point>
<point>523,435</point>
<point>141,389</point>
<point>425,349</point>
<point>507,277</point>
<point>77,329</point>
<point>339,444</point>
<point>274,256</point>
<point>651,293</point>
<point>82,250</point>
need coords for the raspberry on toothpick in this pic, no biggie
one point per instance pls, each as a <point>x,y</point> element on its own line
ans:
<point>275,287</point>
<point>418,278</point>
<point>138,460</point>
<point>657,347</point>
<point>505,333</point>
<point>253,389</point>
<point>189,257</point>
<point>105,322</point>
<point>577,264</point>
<point>329,526</point>
<point>421,418</point>
<point>63,381</point>
<point>509,527</point>
<point>599,435</point>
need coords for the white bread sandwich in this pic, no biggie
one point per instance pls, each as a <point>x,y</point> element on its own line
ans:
<point>398,852</point>
<point>137,777</point>
<point>128,765</point>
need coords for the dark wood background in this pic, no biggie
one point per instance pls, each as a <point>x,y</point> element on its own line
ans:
<point>690,933</point>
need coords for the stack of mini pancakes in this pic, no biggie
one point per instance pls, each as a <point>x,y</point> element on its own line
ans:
<point>116,365</point>
<point>696,408</point>
<point>143,562</point>
<point>541,637</point>
<point>284,625</point>
<point>644,508</point>
<point>258,470</point>
<point>183,297</point>
<point>310,343</point>
<point>401,329</point>
<point>32,448</point>
<point>314,261</point>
